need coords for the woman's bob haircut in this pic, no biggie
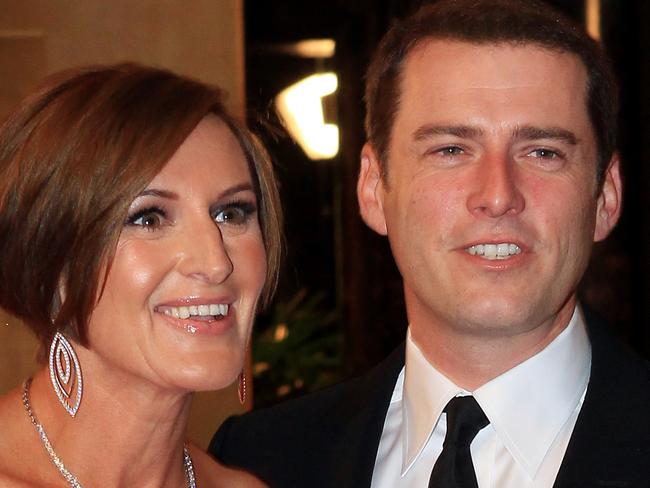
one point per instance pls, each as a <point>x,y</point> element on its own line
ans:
<point>73,156</point>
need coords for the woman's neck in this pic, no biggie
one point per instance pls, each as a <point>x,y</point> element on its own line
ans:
<point>127,432</point>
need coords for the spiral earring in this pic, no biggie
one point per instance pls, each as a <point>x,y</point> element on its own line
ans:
<point>65,374</point>
<point>241,387</point>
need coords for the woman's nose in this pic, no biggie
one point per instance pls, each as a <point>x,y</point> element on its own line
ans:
<point>205,254</point>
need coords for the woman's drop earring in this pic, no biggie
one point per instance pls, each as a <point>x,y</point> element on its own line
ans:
<point>65,373</point>
<point>241,387</point>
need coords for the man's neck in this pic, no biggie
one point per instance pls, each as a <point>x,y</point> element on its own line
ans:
<point>472,358</point>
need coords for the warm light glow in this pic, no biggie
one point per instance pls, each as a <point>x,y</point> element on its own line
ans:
<point>259,368</point>
<point>281,333</point>
<point>301,108</point>
<point>308,48</point>
<point>315,48</point>
<point>592,18</point>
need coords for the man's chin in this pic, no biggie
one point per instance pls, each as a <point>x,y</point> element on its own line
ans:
<point>498,319</point>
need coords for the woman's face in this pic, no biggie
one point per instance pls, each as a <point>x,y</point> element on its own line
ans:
<point>188,270</point>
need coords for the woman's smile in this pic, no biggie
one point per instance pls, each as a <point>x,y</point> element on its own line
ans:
<point>199,316</point>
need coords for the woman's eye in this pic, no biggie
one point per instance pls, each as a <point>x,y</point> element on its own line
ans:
<point>149,219</point>
<point>234,214</point>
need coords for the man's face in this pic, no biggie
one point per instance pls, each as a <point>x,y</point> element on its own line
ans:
<point>490,201</point>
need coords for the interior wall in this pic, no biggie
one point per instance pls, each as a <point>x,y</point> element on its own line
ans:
<point>202,39</point>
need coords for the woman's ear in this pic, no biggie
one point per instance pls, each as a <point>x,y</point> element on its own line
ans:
<point>370,190</point>
<point>59,297</point>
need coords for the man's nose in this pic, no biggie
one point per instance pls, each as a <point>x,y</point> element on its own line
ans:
<point>204,253</point>
<point>495,191</point>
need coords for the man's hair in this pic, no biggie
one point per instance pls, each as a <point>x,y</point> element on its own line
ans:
<point>73,156</point>
<point>517,22</point>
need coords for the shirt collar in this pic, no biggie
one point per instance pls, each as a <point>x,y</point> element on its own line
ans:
<point>426,393</point>
<point>527,405</point>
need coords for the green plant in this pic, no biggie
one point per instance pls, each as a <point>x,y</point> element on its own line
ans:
<point>299,352</point>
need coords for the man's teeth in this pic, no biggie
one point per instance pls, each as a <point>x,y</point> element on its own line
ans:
<point>494,251</point>
<point>185,312</point>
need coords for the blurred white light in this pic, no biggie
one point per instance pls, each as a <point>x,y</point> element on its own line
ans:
<point>301,108</point>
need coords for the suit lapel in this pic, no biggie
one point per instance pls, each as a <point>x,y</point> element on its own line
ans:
<point>355,441</point>
<point>609,445</point>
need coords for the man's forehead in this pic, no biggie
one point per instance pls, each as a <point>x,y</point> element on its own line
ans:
<point>433,48</point>
<point>440,69</point>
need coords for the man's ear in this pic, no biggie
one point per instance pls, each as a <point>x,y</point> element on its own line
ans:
<point>610,200</point>
<point>370,190</point>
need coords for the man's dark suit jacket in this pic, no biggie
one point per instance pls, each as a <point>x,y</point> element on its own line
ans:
<point>330,438</point>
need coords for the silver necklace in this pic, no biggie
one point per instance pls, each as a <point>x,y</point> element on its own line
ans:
<point>69,477</point>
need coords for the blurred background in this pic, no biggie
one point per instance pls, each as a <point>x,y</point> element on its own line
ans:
<point>339,308</point>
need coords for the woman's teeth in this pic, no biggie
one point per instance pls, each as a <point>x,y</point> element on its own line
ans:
<point>494,251</point>
<point>217,310</point>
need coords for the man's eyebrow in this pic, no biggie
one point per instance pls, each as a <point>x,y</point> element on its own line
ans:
<point>461,131</point>
<point>528,132</point>
<point>533,133</point>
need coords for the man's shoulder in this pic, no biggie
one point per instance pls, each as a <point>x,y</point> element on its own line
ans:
<point>619,377</point>
<point>328,406</point>
<point>615,364</point>
<point>311,408</point>
<point>611,438</point>
<point>288,443</point>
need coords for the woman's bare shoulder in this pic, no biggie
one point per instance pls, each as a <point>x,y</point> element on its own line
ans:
<point>14,455</point>
<point>211,473</point>
<point>12,423</point>
<point>9,480</point>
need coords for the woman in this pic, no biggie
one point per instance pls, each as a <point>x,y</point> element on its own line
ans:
<point>139,228</point>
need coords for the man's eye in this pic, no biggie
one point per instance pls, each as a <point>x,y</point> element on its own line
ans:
<point>544,153</point>
<point>450,151</point>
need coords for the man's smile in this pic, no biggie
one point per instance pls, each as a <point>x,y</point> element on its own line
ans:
<point>503,250</point>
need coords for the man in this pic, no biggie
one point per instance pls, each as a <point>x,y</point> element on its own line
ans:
<point>490,166</point>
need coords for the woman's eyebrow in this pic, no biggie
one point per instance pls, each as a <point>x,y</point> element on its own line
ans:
<point>170,195</point>
<point>153,192</point>
<point>236,189</point>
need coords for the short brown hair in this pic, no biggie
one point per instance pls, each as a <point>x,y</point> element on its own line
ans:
<point>73,156</point>
<point>485,22</point>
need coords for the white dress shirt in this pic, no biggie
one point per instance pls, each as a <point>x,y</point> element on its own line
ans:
<point>532,410</point>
